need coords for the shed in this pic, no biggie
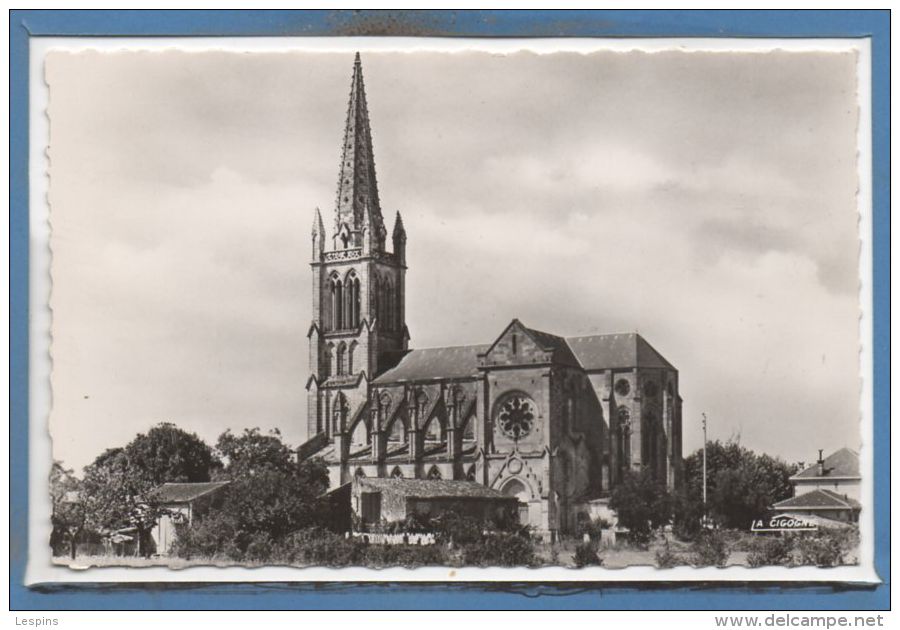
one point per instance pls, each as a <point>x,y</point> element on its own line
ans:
<point>182,502</point>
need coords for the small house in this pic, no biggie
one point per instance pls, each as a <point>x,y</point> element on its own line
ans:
<point>377,500</point>
<point>182,502</point>
<point>829,488</point>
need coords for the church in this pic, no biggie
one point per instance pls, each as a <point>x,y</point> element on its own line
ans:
<point>553,421</point>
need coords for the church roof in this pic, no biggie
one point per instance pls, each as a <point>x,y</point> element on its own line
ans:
<point>842,463</point>
<point>622,350</point>
<point>435,363</point>
<point>595,352</point>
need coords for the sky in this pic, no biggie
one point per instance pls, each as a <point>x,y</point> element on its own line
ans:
<point>705,200</point>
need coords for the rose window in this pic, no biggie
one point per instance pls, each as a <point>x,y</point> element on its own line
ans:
<point>516,417</point>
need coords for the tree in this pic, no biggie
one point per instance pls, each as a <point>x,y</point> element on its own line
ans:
<point>271,495</point>
<point>169,454</point>
<point>253,452</point>
<point>740,483</point>
<point>68,515</point>
<point>116,483</point>
<point>642,504</point>
<point>112,494</point>
<point>687,514</point>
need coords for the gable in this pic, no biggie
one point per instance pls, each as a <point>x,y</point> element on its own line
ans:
<point>516,345</point>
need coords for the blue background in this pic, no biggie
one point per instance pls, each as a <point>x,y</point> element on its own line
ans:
<point>623,23</point>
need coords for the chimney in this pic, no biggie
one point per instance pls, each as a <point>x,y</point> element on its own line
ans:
<point>821,464</point>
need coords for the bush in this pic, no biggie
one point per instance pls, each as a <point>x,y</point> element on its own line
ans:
<point>591,527</point>
<point>402,555</point>
<point>500,549</point>
<point>710,549</point>
<point>259,548</point>
<point>586,555</point>
<point>642,504</point>
<point>666,558</point>
<point>316,546</point>
<point>458,529</point>
<point>827,547</point>
<point>687,516</point>
<point>771,551</point>
<point>214,536</point>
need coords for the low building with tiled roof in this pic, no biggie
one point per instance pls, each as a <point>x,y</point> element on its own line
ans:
<point>541,417</point>
<point>825,503</point>
<point>176,493</point>
<point>377,500</point>
<point>181,503</point>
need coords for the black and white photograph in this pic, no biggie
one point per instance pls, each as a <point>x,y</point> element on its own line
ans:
<point>404,307</point>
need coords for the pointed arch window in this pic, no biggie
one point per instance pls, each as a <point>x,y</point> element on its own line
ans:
<point>355,322</point>
<point>623,437</point>
<point>384,406</point>
<point>397,431</point>
<point>351,349</point>
<point>396,473</point>
<point>361,435</point>
<point>342,359</point>
<point>339,414</point>
<point>470,474</point>
<point>351,300</point>
<point>360,473</point>
<point>653,444</point>
<point>347,310</point>
<point>419,408</point>
<point>469,429</point>
<point>320,403</point>
<point>376,300</point>
<point>328,360</point>
<point>434,430</point>
<point>435,474</point>
<point>337,303</point>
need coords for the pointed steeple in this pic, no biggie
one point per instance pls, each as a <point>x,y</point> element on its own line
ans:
<point>399,238</point>
<point>399,230</point>
<point>357,186</point>
<point>318,236</point>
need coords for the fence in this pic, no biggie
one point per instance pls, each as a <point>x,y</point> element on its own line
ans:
<point>396,539</point>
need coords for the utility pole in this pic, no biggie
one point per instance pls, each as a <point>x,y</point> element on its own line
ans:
<point>704,466</point>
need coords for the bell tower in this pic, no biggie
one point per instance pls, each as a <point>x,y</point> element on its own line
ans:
<point>358,286</point>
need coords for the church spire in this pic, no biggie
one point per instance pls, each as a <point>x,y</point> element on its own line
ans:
<point>399,238</point>
<point>357,187</point>
<point>318,236</point>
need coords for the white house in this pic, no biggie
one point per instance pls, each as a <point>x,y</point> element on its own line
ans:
<point>829,488</point>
